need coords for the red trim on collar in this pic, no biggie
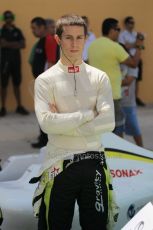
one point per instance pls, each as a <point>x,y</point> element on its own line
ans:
<point>73,69</point>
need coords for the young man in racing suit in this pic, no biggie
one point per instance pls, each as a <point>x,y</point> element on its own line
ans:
<point>74,106</point>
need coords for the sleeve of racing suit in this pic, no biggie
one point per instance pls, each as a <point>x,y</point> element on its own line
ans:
<point>55,123</point>
<point>104,121</point>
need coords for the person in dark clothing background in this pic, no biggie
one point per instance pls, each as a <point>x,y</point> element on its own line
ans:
<point>44,56</point>
<point>11,41</point>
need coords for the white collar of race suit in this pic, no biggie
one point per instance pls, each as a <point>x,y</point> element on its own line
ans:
<point>71,68</point>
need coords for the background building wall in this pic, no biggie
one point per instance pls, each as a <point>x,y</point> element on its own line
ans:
<point>96,10</point>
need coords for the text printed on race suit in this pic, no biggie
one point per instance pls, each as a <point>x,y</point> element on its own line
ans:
<point>99,204</point>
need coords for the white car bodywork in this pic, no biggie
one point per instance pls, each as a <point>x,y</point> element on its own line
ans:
<point>131,168</point>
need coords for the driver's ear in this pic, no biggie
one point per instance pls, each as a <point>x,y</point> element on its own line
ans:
<point>58,40</point>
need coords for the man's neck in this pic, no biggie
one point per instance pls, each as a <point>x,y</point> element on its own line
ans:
<point>129,30</point>
<point>43,35</point>
<point>109,37</point>
<point>9,26</point>
<point>69,61</point>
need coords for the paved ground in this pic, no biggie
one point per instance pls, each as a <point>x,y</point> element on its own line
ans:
<point>17,132</point>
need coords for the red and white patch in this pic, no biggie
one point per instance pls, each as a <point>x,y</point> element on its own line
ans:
<point>73,69</point>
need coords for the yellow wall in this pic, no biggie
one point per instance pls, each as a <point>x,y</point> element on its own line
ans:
<point>96,11</point>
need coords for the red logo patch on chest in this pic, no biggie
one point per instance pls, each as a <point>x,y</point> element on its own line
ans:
<point>73,69</point>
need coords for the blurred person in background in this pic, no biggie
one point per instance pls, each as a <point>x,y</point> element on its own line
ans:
<point>131,126</point>
<point>11,42</point>
<point>43,56</point>
<point>90,38</point>
<point>50,23</point>
<point>129,38</point>
<point>106,54</point>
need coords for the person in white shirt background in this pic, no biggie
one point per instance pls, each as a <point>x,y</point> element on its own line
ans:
<point>90,38</point>
<point>130,38</point>
<point>131,126</point>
